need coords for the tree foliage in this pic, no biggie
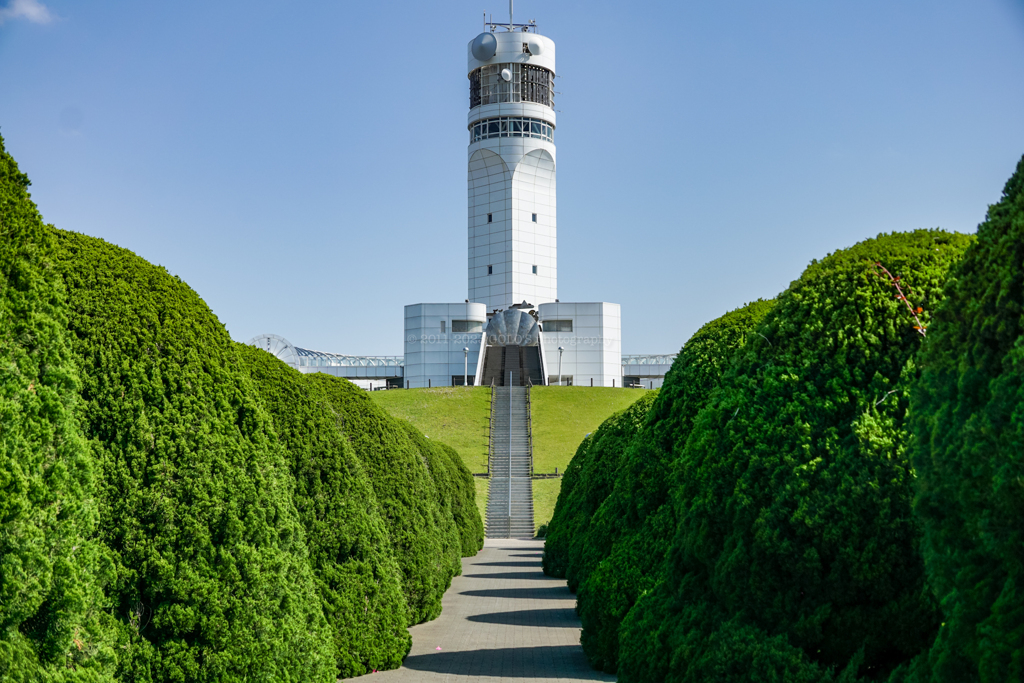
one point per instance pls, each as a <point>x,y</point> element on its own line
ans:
<point>196,503</point>
<point>968,419</point>
<point>426,549</point>
<point>455,490</point>
<point>792,493</point>
<point>349,546</point>
<point>625,542</point>
<point>587,481</point>
<point>51,571</point>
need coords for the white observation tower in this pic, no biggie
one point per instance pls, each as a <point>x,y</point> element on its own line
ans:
<point>512,228</point>
<point>512,329</point>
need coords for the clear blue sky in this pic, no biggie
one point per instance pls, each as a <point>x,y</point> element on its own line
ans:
<point>303,165</point>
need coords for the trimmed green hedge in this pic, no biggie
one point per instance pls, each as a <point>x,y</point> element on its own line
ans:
<point>349,546</point>
<point>426,548</point>
<point>587,481</point>
<point>51,571</point>
<point>178,507</point>
<point>213,580</point>
<point>793,491</point>
<point>456,492</point>
<point>968,419</point>
<point>626,540</point>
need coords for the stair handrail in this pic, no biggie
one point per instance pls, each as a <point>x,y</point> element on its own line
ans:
<point>529,426</point>
<point>490,432</point>
<point>510,454</point>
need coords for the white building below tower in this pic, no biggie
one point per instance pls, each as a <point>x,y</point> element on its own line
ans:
<point>443,343</point>
<point>582,343</point>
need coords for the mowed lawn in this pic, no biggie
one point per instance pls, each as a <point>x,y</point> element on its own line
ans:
<point>561,417</point>
<point>455,415</point>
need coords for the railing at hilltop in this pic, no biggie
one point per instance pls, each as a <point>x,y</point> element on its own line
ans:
<point>321,359</point>
<point>649,359</point>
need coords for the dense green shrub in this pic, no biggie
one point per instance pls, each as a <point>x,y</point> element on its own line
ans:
<point>587,481</point>
<point>558,543</point>
<point>456,491</point>
<point>792,494</point>
<point>349,547</point>
<point>968,419</point>
<point>51,623</point>
<point>213,580</point>
<point>625,542</point>
<point>425,549</point>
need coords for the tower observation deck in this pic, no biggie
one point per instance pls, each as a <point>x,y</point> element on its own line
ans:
<point>512,226</point>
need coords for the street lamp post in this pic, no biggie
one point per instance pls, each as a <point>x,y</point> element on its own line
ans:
<point>560,349</point>
<point>465,370</point>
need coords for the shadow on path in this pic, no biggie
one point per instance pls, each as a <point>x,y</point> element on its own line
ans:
<point>512,563</point>
<point>559,617</point>
<point>545,593</point>
<point>515,576</point>
<point>521,662</point>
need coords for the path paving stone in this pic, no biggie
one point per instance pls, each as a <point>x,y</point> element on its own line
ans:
<point>503,620</point>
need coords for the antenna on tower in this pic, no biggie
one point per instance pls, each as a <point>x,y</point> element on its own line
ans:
<point>511,25</point>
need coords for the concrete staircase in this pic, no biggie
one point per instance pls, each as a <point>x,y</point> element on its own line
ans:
<point>510,494</point>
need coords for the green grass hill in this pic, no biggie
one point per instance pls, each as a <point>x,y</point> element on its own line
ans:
<point>456,416</point>
<point>562,417</point>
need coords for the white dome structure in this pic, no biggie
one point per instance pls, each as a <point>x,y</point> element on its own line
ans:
<point>513,327</point>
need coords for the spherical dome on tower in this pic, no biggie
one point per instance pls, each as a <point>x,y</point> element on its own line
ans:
<point>484,46</point>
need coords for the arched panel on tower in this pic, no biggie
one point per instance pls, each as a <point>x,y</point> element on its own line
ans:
<point>490,213</point>
<point>534,227</point>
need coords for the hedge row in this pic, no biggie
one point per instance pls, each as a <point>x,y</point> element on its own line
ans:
<point>51,569</point>
<point>968,418</point>
<point>349,543</point>
<point>178,507</point>
<point>765,531</point>
<point>624,540</point>
<point>586,483</point>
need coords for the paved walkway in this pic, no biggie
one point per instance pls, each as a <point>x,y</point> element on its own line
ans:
<point>503,620</point>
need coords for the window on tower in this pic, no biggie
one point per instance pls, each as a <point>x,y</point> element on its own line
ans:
<point>511,126</point>
<point>528,83</point>
<point>535,220</point>
<point>535,270</point>
<point>490,218</point>
<point>490,270</point>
